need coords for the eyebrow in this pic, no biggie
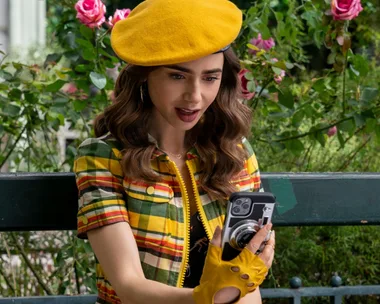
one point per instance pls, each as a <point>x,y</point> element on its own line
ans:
<point>186,70</point>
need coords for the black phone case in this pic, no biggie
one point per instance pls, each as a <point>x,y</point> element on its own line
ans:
<point>260,213</point>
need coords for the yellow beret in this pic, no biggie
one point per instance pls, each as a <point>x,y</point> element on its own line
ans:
<point>160,32</point>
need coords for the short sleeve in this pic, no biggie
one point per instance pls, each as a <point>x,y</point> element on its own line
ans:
<point>99,178</point>
<point>253,166</point>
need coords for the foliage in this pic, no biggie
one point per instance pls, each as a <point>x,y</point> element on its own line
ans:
<point>332,77</point>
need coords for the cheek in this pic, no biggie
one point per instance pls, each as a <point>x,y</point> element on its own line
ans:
<point>211,93</point>
<point>161,92</point>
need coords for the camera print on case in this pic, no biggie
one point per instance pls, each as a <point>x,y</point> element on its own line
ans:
<point>246,214</point>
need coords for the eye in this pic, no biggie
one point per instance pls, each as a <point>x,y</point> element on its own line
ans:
<point>177,76</point>
<point>211,79</point>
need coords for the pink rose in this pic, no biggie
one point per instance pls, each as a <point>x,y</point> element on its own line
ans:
<point>261,44</point>
<point>91,12</point>
<point>244,85</point>
<point>278,78</point>
<point>345,9</point>
<point>119,15</point>
<point>332,131</point>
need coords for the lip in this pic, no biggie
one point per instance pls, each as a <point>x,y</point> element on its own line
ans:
<point>187,115</point>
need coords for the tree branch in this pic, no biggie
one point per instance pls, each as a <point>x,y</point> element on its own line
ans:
<point>27,261</point>
<point>7,282</point>
<point>13,147</point>
<point>12,271</point>
<point>345,165</point>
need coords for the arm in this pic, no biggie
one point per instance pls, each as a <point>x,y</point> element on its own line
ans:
<point>116,250</point>
<point>252,298</point>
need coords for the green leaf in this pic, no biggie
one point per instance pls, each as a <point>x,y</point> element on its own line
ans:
<point>5,75</point>
<point>98,80</point>
<point>289,65</point>
<point>3,87</point>
<point>251,86</point>
<point>89,54</point>
<point>298,117</point>
<point>353,71</point>
<point>377,131</point>
<point>30,97</point>
<point>60,101</point>
<point>331,58</point>
<point>359,120</point>
<point>264,30</point>
<point>17,66</point>
<point>84,43</point>
<point>82,68</point>
<point>86,32</point>
<point>15,94</point>
<point>295,146</point>
<point>11,110</point>
<point>286,98</point>
<point>347,126</point>
<point>321,138</point>
<point>340,138</point>
<point>79,105</point>
<point>361,65</point>
<point>55,86</point>
<point>52,59</point>
<point>369,94</point>
<point>276,70</point>
<point>248,76</point>
<point>280,64</point>
<point>319,85</point>
<point>370,125</point>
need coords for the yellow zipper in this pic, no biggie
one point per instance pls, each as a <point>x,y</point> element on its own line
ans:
<point>186,213</point>
<point>198,203</point>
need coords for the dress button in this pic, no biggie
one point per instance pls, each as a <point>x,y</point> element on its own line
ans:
<point>150,190</point>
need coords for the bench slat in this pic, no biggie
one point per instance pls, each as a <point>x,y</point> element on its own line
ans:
<point>48,201</point>
<point>87,299</point>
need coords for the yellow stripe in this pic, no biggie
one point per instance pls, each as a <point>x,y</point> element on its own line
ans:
<point>101,204</point>
<point>86,163</point>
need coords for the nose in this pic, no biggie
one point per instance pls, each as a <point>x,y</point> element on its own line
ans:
<point>193,92</point>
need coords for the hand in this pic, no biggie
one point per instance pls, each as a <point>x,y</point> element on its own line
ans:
<point>228,294</point>
<point>228,281</point>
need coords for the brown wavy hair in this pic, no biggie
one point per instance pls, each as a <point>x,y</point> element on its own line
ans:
<point>217,136</point>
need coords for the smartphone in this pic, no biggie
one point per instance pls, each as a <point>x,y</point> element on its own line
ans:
<point>247,212</point>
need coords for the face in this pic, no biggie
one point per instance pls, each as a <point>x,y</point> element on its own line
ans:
<point>181,93</point>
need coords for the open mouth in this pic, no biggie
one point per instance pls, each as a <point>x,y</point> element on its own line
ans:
<point>187,115</point>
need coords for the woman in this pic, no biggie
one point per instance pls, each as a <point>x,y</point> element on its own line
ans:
<point>154,183</point>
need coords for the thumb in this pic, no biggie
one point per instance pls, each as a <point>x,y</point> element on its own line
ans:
<point>217,237</point>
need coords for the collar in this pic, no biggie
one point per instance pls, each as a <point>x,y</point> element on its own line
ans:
<point>190,154</point>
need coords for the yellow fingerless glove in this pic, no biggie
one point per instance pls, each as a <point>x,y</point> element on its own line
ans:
<point>218,274</point>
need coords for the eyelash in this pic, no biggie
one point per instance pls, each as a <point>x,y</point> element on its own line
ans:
<point>179,77</point>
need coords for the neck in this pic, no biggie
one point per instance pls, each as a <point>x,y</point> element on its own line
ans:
<point>169,139</point>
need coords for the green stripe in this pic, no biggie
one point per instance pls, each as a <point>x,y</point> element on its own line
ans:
<point>167,277</point>
<point>143,232</point>
<point>150,195</point>
<point>214,209</point>
<point>97,171</point>
<point>97,148</point>
<point>98,208</point>
<point>164,210</point>
<point>283,189</point>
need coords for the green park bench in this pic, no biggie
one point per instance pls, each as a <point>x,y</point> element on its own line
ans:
<point>40,201</point>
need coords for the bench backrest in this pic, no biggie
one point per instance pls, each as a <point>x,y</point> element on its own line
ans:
<point>48,201</point>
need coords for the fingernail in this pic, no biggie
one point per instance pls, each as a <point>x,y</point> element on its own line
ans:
<point>268,226</point>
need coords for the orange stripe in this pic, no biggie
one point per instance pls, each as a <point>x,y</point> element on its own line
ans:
<point>158,242</point>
